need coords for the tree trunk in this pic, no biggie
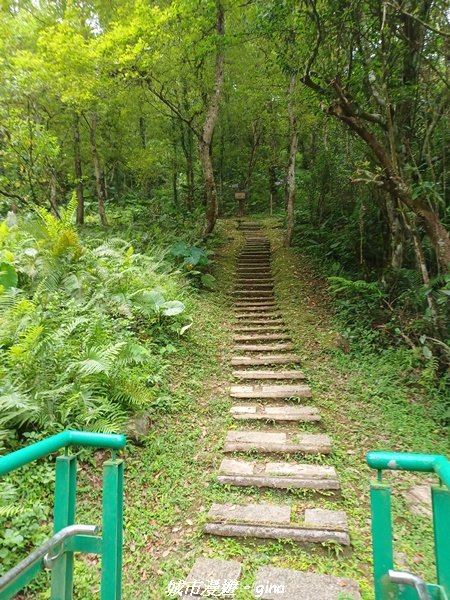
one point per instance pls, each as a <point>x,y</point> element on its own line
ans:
<point>399,189</point>
<point>206,135</point>
<point>142,132</point>
<point>396,236</point>
<point>97,172</point>
<point>187,144</point>
<point>174,163</point>
<point>78,170</point>
<point>256,136</point>
<point>290,177</point>
<point>54,194</point>
<point>423,270</point>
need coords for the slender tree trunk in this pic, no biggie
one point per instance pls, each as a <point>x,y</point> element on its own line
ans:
<point>187,145</point>
<point>142,132</point>
<point>256,136</point>
<point>423,270</point>
<point>290,177</point>
<point>396,236</point>
<point>205,142</point>
<point>54,194</point>
<point>174,163</point>
<point>97,171</point>
<point>78,170</point>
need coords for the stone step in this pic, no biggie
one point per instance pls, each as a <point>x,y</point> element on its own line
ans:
<point>247,307</point>
<point>260,321</point>
<point>254,266</point>
<point>270,391</point>
<point>261,336</point>
<point>256,329</point>
<point>269,375</point>
<point>277,441</point>
<point>254,271</point>
<point>251,293</point>
<point>254,299</point>
<point>250,285</point>
<point>282,475</point>
<point>208,572</point>
<point>272,521</point>
<point>270,359</point>
<point>258,302</point>
<point>254,286</point>
<point>261,412</point>
<point>273,583</point>
<point>254,262</point>
<point>252,280</point>
<point>263,314</point>
<point>264,347</point>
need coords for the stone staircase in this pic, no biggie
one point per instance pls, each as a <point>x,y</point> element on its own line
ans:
<point>271,389</point>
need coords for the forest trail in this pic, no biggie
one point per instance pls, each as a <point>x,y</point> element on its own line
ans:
<point>275,419</point>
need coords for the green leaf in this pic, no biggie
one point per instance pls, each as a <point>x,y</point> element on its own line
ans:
<point>154,298</point>
<point>8,276</point>
<point>180,249</point>
<point>209,281</point>
<point>172,308</point>
<point>427,352</point>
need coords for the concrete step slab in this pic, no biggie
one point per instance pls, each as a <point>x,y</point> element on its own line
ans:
<point>261,337</point>
<point>251,308</point>
<point>255,303</point>
<point>270,391</point>
<point>258,319</point>
<point>271,359</point>
<point>280,475</point>
<point>264,347</point>
<point>208,572</point>
<point>267,281</point>
<point>285,584</point>
<point>266,314</point>
<point>258,324</point>
<point>255,253</point>
<point>271,521</point>
<point>267,375</point>
<point>277,442</point>
<point>253,287</point>
<point>278,413</point>
<point>250,293</point>
<point>257,299</point>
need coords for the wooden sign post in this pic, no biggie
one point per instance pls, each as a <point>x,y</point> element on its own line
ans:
<point>240,196</point>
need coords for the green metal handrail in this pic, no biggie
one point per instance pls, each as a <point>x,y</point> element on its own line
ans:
<point>387,580</point>
<point>24,456</point>
<point>108,545</point>
<point>404,461</point>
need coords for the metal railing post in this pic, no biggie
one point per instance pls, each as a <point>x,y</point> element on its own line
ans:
<point>441,521</point>
<point>383,551</point>
<point>112,530</point>
<point>64,515</point>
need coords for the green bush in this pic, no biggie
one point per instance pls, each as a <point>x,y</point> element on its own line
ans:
<point>85,328</point>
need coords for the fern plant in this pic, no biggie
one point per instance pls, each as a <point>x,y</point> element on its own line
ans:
<point>83,331</point>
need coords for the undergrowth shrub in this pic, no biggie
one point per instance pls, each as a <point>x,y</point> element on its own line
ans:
<point>84,330</point>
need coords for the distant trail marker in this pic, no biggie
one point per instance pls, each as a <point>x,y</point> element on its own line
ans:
<point>240,196</point>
